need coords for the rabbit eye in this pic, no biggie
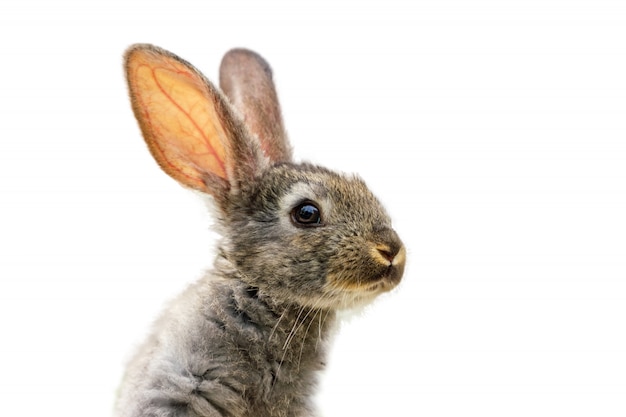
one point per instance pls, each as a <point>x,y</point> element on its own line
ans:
<point>306,214</point>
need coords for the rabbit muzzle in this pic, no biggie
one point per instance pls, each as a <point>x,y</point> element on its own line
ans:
<point>371,266</point>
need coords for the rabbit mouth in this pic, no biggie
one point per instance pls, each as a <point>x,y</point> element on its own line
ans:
<point>377,281</point>
<point>350,288</point>
<point>385,281</point>
<point>392,275</point>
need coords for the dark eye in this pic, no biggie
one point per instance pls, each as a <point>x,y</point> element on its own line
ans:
<point>306,214</point>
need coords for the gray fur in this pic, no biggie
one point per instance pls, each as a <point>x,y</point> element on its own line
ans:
<point>249,338</point>
<point>246,79</point>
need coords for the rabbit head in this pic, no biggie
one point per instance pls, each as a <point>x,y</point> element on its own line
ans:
<point>299,233</point>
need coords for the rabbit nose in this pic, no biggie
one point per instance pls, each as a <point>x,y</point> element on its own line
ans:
<point>390,247</point>
<point>393,254</point>
<point>387,252</point>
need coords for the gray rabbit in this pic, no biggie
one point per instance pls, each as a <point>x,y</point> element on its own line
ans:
<point>299,243</point>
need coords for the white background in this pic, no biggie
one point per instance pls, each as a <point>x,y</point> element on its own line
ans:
<point>494,131</point>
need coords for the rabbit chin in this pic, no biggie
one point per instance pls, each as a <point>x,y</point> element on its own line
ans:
<point>344,296</point>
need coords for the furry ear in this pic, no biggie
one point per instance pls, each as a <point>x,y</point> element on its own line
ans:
<point>188,126</point>
<point>246,78</point>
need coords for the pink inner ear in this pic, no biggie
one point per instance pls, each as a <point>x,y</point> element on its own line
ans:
<point>176,109</point>
<point>188,139</point>
<point>198,152</point>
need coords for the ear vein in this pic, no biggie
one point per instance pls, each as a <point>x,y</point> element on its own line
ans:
<point>209,147</point>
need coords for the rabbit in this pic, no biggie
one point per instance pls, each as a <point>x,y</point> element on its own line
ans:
<point>299,243</point>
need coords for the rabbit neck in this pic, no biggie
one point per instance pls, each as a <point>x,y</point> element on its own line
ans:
<point>281,346</point>
<point>288,337</point>
<point>287,332</point>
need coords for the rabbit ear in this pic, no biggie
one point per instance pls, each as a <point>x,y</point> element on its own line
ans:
<point>246,78</point>
<point>189,128</point>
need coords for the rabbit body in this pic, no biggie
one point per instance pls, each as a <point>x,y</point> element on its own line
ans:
<point>299,242</point>
<point>222,349</point>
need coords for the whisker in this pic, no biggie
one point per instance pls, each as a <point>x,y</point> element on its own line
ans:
<point>277,323</point>
<point>293,329</point>
<point>317,310</point>
<point>322,323</point>
<point>290,336</point>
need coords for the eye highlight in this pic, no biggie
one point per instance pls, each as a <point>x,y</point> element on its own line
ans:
<point>306,214</point>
